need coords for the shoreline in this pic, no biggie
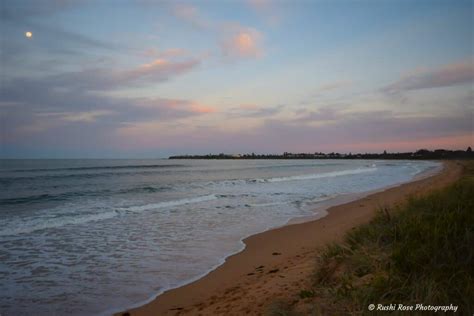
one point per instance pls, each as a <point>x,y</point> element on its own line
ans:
<point>321,208</point>
<point>279,247</point>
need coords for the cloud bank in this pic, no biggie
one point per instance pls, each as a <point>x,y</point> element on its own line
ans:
<point>446,76</point>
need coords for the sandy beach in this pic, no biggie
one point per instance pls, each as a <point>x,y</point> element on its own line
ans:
<point>278,263</point>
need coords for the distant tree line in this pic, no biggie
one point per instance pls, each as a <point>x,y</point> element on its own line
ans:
<point>419,154</point>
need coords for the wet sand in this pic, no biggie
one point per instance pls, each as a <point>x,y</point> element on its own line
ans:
<point>278,263</point>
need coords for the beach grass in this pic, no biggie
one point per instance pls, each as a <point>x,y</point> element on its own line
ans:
<point>419,253</point>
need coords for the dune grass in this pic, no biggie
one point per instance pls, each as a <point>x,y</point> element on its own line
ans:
<point>422,252</point>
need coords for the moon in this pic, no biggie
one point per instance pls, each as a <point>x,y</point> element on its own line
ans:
<point>28,34</point>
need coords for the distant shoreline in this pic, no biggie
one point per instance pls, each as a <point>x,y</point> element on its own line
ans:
<point>422,154</point>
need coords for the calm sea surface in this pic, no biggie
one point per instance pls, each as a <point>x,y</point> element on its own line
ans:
<point>95,236</point>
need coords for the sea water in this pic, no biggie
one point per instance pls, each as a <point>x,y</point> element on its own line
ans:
<point>96,236</point>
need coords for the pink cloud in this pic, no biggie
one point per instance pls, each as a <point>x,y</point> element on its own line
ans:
<point>159,69</point>
<point>176,107</point>
<point>201,108</point>
<point>101,79</point>
<point>236,41</point>
<point>242,42</point>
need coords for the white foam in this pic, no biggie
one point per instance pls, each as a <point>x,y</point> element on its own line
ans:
<point>312,176</point>
<point>323,175</point>
<point>267,204</point>
<point>41,223</point>
<point>173,203</point>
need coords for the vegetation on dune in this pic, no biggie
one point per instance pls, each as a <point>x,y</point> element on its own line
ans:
<point>422,252</point>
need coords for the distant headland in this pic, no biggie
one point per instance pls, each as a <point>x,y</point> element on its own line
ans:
<point>419,154</point>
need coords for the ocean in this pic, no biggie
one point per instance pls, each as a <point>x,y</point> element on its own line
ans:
<point>98,236</point>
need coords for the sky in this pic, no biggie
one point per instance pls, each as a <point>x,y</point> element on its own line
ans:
<point>147,79</point>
